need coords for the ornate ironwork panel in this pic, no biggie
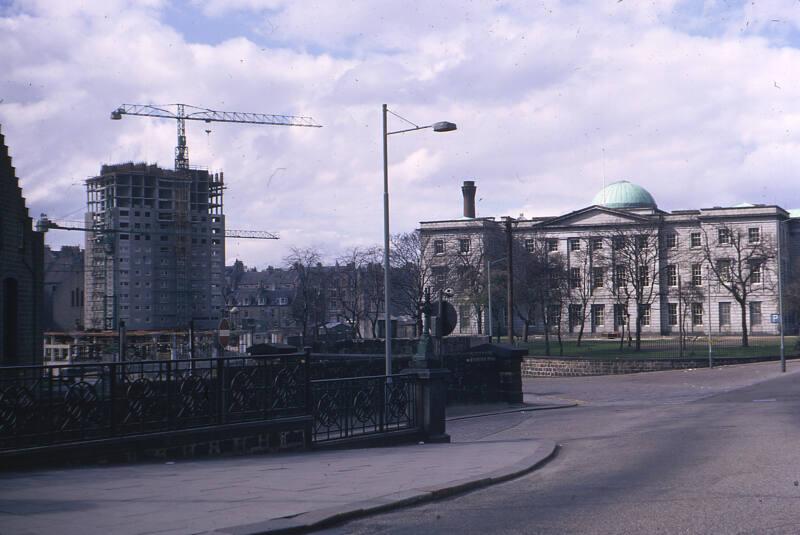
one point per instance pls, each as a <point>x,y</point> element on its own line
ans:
<point>363,406</point>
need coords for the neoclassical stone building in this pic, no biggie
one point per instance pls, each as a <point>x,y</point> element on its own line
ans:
<point>623,257</point>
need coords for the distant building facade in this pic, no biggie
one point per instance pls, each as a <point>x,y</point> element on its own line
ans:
<point>155,257</point>
<point>696,256</point>
<point>21,272</point>
<point>63,289</point>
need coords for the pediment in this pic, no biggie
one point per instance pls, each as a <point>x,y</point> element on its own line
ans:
<point>596,216</point>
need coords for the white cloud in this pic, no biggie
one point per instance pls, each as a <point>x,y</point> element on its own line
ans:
<point>673,95</point>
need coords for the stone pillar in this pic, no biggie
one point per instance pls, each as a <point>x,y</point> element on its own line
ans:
<point>431,388</point>
<point>431,404</point>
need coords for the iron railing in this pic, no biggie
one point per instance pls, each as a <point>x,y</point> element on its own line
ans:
<point>62,404</point>
<point>363,406</point>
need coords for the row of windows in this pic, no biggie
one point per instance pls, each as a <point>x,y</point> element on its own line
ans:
<point>617,242</point>
<point>620,275</point>
<point>695,314</point>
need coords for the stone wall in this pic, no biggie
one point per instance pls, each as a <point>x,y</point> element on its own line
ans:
<point>582,367</point>
<point>21,272</point>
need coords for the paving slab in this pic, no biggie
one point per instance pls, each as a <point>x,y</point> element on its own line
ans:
<point>254,494</point>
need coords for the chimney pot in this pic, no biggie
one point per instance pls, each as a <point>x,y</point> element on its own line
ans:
<point>468,190</point>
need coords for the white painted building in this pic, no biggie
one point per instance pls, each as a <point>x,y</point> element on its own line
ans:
<point>697,257</point>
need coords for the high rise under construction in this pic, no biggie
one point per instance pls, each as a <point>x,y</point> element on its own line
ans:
<point>155,252</point>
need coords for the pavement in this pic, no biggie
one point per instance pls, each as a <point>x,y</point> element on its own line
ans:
<point>267,493</point>
<point>685,452</point>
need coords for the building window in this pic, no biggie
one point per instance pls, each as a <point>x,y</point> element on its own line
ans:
<point>575,314</point>
<point>644,314</point>
<point>440,274</point>
<point>695,239</point>
<point>697,274</point>
<point>463,246</point>
<point>618,242</point>
<point>672,240</point>
<point>619,315</point>
<point>697,313</point>
<point>463,318</point>
<point>574,244</point>
<point>644,277</point>
<point>672,313</point>
<point>598,315</point>
<point>755,313</point>
<point>529,244</point>
<point>754,235</point>
<point>723,236</point>
<point>724,314</point>
<point>597,277</point>
<point>597,244</point>
<point>574,277</point>
<point>438,246</point>
<point>619,274</point>
<point>672,275</point>
<point>755,273</point>
<point>552,245</point>
<point>724,270</point>
<point>553,314</point>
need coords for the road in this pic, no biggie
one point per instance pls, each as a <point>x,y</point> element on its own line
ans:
<point>701,451</point>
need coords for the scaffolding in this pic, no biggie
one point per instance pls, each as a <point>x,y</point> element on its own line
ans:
<point>155,242</point>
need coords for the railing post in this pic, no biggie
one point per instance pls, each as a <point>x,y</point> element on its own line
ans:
<point>220,390</point>
<point>309,395</point>
<point>170,396</point>
<point>384,391</point>
<point>309,399</point>
<point>112,388</point>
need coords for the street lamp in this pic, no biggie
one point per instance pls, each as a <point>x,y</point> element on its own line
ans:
<point>781,323</point>
<point>442,126</point>
<point>489,289</point>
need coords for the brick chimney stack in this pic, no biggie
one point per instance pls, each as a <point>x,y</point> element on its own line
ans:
<point>468,190</point>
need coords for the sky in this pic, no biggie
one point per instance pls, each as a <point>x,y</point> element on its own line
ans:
<point>696,101</point>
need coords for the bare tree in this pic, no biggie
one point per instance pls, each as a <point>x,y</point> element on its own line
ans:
<point>738,259</point>
<point>469,276</point>
<point>527,277</point>
<point>349,271</point>
<point>308,303</point>
<point>372,287</point>
<point>410,275</point>
<point>542,283</point>
<point>582,285</point>
<point>636,269</point>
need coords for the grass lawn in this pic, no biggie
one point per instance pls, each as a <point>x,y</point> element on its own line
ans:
<point>666,347</point>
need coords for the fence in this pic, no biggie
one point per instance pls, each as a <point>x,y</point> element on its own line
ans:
<point>114,404</point>
<point>52,405</point>
<point>362,406</point>
<point>665,347</point>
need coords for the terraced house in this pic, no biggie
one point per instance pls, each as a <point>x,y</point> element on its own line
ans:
<point>621,262</point>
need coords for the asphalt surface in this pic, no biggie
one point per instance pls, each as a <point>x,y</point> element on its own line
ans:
<point>701,451</point>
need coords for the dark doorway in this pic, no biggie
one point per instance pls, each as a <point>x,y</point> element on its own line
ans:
<point>10,321</point>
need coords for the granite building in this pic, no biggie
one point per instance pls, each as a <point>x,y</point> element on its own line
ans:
<point>21,266</point>
<point>710,268</point>
<point>63,289</point>
<point>155,254</point>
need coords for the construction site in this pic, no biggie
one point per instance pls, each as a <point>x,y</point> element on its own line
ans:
<point>155,250</point>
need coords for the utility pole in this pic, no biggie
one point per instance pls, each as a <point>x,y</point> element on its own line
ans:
<point>510,271</point>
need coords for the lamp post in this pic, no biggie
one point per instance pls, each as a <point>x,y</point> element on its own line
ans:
<point>780,294</point>
<point>489,290</point>
<point>442,126</point>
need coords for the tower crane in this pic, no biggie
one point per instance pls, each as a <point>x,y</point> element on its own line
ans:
<point>186,112</point>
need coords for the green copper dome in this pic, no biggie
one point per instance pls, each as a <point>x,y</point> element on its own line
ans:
<point>623,194</point>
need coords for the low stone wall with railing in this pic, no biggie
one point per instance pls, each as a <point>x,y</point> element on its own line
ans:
<point>583,367</point>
